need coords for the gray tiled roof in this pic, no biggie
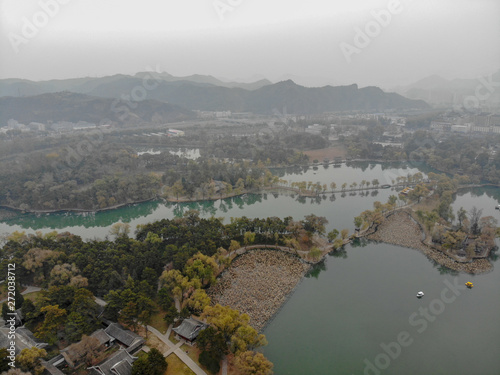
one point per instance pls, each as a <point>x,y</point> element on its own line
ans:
<point>115,362</point>
<point>102,336</point>
<point>123,368</point>
<point>4,340</point>
<point>125,336</point>
<point>24,339</point>
<point>190,328</point>
<point>51,369</point>
<point>28,335</point>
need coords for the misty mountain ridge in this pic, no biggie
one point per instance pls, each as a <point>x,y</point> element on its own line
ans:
<point>74,107</point>
<point>437,90</point>
<point>297,99</point>
<point>85,85</point>
<point>208,79</point>
<point>309,81</point>
<point>199,94</point>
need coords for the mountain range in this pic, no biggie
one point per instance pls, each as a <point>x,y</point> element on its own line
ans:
<point>74,107</point>
<point>24,87</point>
<point>440,91</point>
<point>172,97</point>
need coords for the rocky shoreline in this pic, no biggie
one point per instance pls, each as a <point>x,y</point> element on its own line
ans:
<point>400,229</point>
<point>258,283</point>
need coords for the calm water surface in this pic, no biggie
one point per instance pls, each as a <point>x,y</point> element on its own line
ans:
<point>357,300</point>
<point>340,210</point>
<point>339,318</point>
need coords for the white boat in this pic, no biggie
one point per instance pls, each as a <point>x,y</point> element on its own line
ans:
<point>420,294</point>
<point>497,207</point>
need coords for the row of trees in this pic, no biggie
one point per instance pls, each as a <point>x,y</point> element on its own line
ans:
<point>322,188</point>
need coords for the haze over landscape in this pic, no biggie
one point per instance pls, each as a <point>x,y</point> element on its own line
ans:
<point>248,41</point>
<point>249,187</point>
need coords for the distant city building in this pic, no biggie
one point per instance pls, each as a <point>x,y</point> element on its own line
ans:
<point>223,114</point>
<point>81,125</point>
<point>392,144</point>
<point>11,124</point>
<point>315,129</point>
<point>36,126</point>
<point>175,133</point>
<point>440,125</point>
<point>460,128</point>
<point>485,129</point>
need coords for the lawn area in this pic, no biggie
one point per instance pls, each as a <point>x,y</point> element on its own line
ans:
<point>155,342</point>
<point>177,367</point>
<point>158,322</point>
<point>330,153</point>
<point>427,204</point>
<point>3,290</point>
<point>32,296</point>
<point>172,337</point>
<point>193,352</point>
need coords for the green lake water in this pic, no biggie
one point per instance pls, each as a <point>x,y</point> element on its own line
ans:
<point>354,302</point>
<point>339,210</point>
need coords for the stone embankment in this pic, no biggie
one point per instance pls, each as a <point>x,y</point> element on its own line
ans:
<point>400,229</point>
<point>258,283</point>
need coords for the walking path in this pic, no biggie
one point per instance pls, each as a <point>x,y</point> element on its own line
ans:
<point>100,302</point>
<point>173,349</point>
<point>224,366</point>
<point>29,289</point>
<point>176,349</point>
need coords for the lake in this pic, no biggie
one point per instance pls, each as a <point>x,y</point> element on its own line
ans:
<point>357,302</point>
<point>341,316</point>
<point>98,225</point>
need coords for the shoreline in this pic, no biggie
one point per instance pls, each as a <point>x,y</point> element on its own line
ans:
<point>75,210</point>
<point>308,193</point>
<point>181,200</point>
<point>400,229</point>
<point>259,282</point>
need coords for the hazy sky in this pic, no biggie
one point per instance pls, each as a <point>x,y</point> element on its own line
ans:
<point>369,42</point>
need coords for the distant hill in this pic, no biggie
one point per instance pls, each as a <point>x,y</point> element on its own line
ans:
<point>67,106</point>
<point>297,99</point>
<point>23,87</point>
<point>439,91</point>
<point>204,79</point>
<point>207,93</point>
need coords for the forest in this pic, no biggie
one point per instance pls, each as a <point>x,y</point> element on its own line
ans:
<point>97,172</point>
<point>477,158</point>
<point>167,260</point>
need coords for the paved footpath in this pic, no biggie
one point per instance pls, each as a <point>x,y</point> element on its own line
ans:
<point>224,366</point>
<point>29,289</point>
<point>177,350</point>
